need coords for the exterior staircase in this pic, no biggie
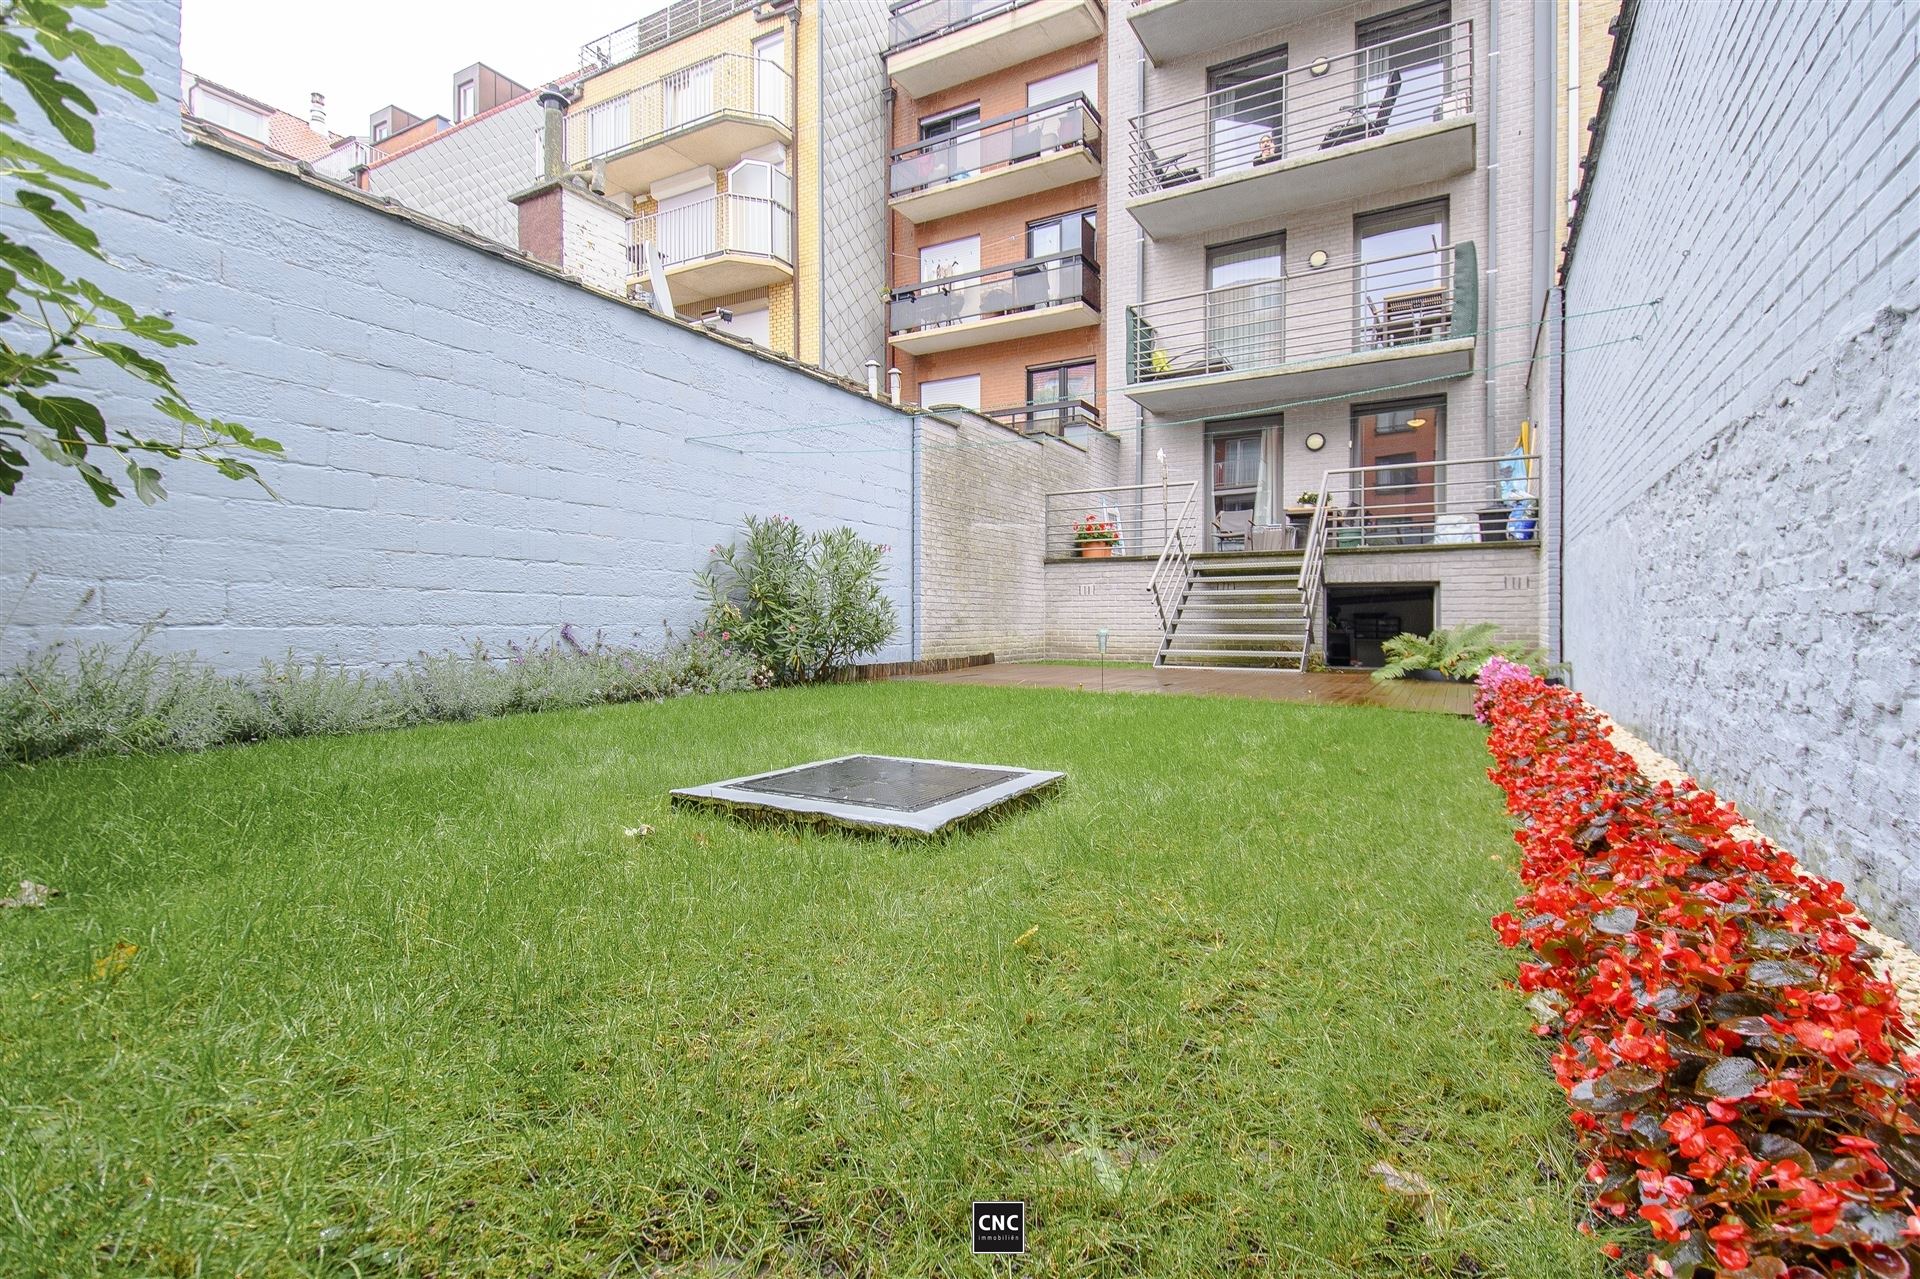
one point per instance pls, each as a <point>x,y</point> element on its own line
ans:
<point>1238,611</point>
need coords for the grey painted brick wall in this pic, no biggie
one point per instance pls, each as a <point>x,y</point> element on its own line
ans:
<point>475,448</point>
<point>1742,529</point>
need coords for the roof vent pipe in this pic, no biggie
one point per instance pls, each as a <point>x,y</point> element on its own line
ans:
<point>317,112</point>
<point>553,133</point>
<point>873,379</point>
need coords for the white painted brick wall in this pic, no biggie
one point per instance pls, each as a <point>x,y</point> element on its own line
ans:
<point>982,504</point>
<point>475,448</point>
<point>1742,572</point>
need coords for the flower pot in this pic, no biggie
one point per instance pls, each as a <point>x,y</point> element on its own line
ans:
<point>1096,550</point>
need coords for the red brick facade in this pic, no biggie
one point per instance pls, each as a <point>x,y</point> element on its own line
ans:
<point>1002,229</point>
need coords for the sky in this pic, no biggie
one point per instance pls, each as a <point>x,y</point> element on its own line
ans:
<point>364,54</point>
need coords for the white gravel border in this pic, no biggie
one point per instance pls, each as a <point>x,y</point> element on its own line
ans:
<point>1898,962</point>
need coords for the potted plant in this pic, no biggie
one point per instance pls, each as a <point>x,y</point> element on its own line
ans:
<point>1307,499</point>
<point>1094,538</point>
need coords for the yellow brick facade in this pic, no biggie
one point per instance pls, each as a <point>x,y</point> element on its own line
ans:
<point>795,308</point>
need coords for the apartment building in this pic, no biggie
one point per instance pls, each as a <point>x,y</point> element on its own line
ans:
<point>462,170</point>
<point>722,126</point>
<point>265,127</point>
<point>1323,271</point>
<point>997,207</point>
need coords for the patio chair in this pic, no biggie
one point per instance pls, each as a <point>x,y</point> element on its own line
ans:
<point>1167,173</point>
<point>1271,537</point>
<point>1357,126</point>
<point>1232,526</point>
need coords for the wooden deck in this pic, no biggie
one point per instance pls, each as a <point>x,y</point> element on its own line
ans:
<point>1325,689</point>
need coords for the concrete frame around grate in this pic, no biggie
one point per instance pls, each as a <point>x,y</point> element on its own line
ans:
<point>738,796</point>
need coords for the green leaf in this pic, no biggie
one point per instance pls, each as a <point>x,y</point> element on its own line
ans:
<point>1730,1078</point>
<point>60,222</point>
<point>19,155</point>
<point>13,466</point>
<point>146,482</point>
<point>28,262</point>
<point>52,93</point>
<point>64,414</point>
<point>141,365</point>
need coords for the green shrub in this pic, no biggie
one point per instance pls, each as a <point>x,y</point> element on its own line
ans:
<point>1457,654</point>
<point>804,603</point>
<point>101,698</point>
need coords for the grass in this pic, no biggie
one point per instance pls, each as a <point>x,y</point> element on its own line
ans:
<point>411,1003</point>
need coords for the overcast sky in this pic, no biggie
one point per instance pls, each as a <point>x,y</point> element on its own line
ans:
<point>364,54</point>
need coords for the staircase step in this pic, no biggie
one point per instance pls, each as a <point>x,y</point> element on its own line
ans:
<point>1230,652</point>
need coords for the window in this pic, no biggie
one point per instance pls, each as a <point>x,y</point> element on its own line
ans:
<point>1055,383</point>
<point>1068,233</point>
<point>609,126</point>
<point>688,95</point>
<point>1402,476</point>
<point>464,97</point>
<point>1404,66</point>
<point>381,131</point>
<point>954,257</point>
<point>1246,303</point>
<point>1245,103</point>
<point>1240,480</point>
<point>1081,80</point>
<point>769,75</point>
<point>960,156</point>
<point>229,115</point>
<point>963,390</point>
<point>1406,278</point>
<point>1404,440</point>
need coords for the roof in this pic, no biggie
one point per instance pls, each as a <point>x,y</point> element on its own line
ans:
<point>448,132</point>
<point>287,133</point>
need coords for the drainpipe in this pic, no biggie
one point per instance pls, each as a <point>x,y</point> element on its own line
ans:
<point>1139,295</point>
<point>1490,276</point>
<point>1543,103</point>
<point>1573,103</point>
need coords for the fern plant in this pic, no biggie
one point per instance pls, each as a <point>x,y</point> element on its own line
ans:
<point>1456,654</point>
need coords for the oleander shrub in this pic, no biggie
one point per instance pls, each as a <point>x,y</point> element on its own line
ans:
<point>1740,1079</point>
<point>124,699</point>
<point>805,604</point>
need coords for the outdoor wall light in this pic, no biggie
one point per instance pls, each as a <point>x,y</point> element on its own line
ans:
<point>1320,67</point>
<point>1416,422</point>
<point>1317,259</point>
<point>1316,442</point>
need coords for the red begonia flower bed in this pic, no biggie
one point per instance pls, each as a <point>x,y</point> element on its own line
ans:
<point>1739,1077</point>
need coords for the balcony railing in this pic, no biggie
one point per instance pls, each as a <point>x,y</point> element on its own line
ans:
<point>1032,285</point>
<point>994,144</point>
<point>1265,324</point>
<point>1049,417</point>
<point>913,21</point>
<point>725,224</point>
<point>1143,518</point>
<point>658,29</point>
<point>726,84</point>
<point>1418,79</point>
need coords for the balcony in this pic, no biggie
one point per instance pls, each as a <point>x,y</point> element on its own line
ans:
<point>715,248</point>
<point>1169,29</point>
<point>936,44</point>
<point>1062,418</point>
<point>1389,116</point>
<point>1332,333</point>
<point>710,113</point>
<point>1039,295</point>
<point>1000,159</point>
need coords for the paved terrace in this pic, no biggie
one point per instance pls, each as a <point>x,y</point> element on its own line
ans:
<point>1326,689</point>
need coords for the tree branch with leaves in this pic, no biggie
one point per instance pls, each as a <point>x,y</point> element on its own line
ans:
<point>51,325</point>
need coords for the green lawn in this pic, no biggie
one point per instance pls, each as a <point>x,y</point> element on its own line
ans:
<point>412,1003</point>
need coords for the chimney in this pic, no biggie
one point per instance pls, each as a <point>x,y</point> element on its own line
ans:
<point>317,112</point>
<point>553,133</point>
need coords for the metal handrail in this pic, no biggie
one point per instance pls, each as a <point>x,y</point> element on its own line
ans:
<point>726,83</point>
<point>1145,514</point>
<point>993,144</point>
<point>1360,306</point>
<point>912,22</point>
<point>1028,285</point>
<point>1420,78</point>
<point>1442,511</point>
<point>1173,553</point>
<point>1056,417</point>
<point>740,224</point>
<point>658,29</point>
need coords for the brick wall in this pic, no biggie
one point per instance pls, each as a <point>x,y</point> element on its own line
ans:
<point>982,502</point>
<point>1002,229</point>
<point>1085,595</point>
<point>1741,554</point>
<point>1499,584</point>
<point>476,447</point>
